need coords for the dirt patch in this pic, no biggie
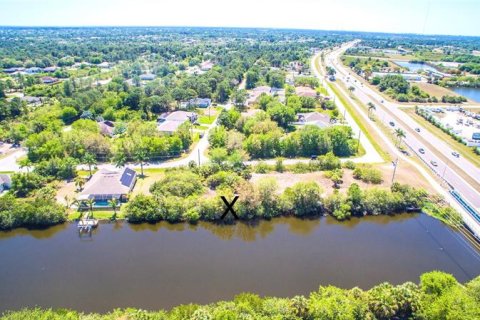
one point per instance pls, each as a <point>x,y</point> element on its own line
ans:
<point>66,189</point>
<point>435,90</point>
<point>288,179</point>
<point>405,174</point>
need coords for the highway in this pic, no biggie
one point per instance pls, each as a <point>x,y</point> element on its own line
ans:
<point>448,167</point>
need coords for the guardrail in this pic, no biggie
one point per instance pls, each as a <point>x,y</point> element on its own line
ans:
<point>464,203</point>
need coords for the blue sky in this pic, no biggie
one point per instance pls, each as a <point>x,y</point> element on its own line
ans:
<point>457,17</point>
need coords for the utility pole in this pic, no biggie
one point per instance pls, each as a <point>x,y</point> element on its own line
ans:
<point>358,144</point>
<point>395,164</point>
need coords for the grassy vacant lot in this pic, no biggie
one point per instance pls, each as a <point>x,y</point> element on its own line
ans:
<point>464,151</point>
<point>144,183</point>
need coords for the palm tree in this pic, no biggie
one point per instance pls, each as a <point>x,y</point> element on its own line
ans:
<point>90,203</point>
<point>141,156</point>
<point>90,160</point>
<point>114,203</point>
<point>25,163</point>
<point>371,108</point>
<point>119,159</point>
<point>79,182</point>
<point>351,89</point>
<point>68,201</point>
<point>400,134</point>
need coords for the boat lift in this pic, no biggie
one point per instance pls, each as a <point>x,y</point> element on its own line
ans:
<point>85,226</point>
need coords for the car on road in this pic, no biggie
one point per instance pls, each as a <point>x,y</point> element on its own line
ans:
<point>381,101</point>
<point>417,129</point>
<point>456,154</point>
<point>405,152</point>
<point>421,150</point>
<point>434,163</point>
<point>392,123</point>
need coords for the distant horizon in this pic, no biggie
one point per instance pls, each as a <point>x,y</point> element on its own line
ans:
<point>234,27</point>
<point>419,17</point>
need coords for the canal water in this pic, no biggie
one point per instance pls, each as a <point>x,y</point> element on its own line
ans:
<point>163,265</point>
<point>414,67</point>
<point>470,93</point>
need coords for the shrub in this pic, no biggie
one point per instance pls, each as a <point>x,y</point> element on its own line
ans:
<point>24,183</point>
<point>178,183</point>
<point>262,167</point>
<point>368,174</point>
<point>303,198</point>
<point>38,212</point>
<point>223,178</point>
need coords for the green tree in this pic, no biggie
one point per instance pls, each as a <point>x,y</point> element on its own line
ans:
<point>303,198</point>
<point>399,134</point>
<point>90,160</point>
<point>114,205</point>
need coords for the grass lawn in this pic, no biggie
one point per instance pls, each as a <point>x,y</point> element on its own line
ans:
<point>97,214</point>
<point>464,151</point>
<point>206,119</point>
<point>144,183</point>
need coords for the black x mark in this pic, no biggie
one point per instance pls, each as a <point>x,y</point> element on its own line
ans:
<point>229,207</point>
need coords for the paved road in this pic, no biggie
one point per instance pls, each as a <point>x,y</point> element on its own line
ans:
<point>9,163</point>
<point>387,112</point>
<point>371,154</point>
<point>435,149</point>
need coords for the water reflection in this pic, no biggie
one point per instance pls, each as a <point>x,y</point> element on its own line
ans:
<point>244,230</point>
<point>43,233</point>
<point>162,265</point>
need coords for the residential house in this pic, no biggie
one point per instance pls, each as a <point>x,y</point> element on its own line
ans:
<point>33,70</point>
<point>107,184</point>
<point>200,102</point>
<point>147,77</point>
<point>206,65</point>
<point>279,93</point>
<point>49,80</point>
<point>32,100</point>
<point>50,69</point>
<point>255,93</point>
<point>5,182</point>
<point>104,65</point>
<point>169,122</point>
<point>313,118</point>
<point>107,128</point>
<point>305,92</point>
<point>11,70</point>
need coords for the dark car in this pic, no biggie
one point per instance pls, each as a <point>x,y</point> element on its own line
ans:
<point>456,154</point>
<point>417,129</point>
<point>392,123</point>
<point>421,150</point>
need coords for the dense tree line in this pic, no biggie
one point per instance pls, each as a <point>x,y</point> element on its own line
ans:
<point>37,212</point>
<point>437,296</point>
<point>179,196</point>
